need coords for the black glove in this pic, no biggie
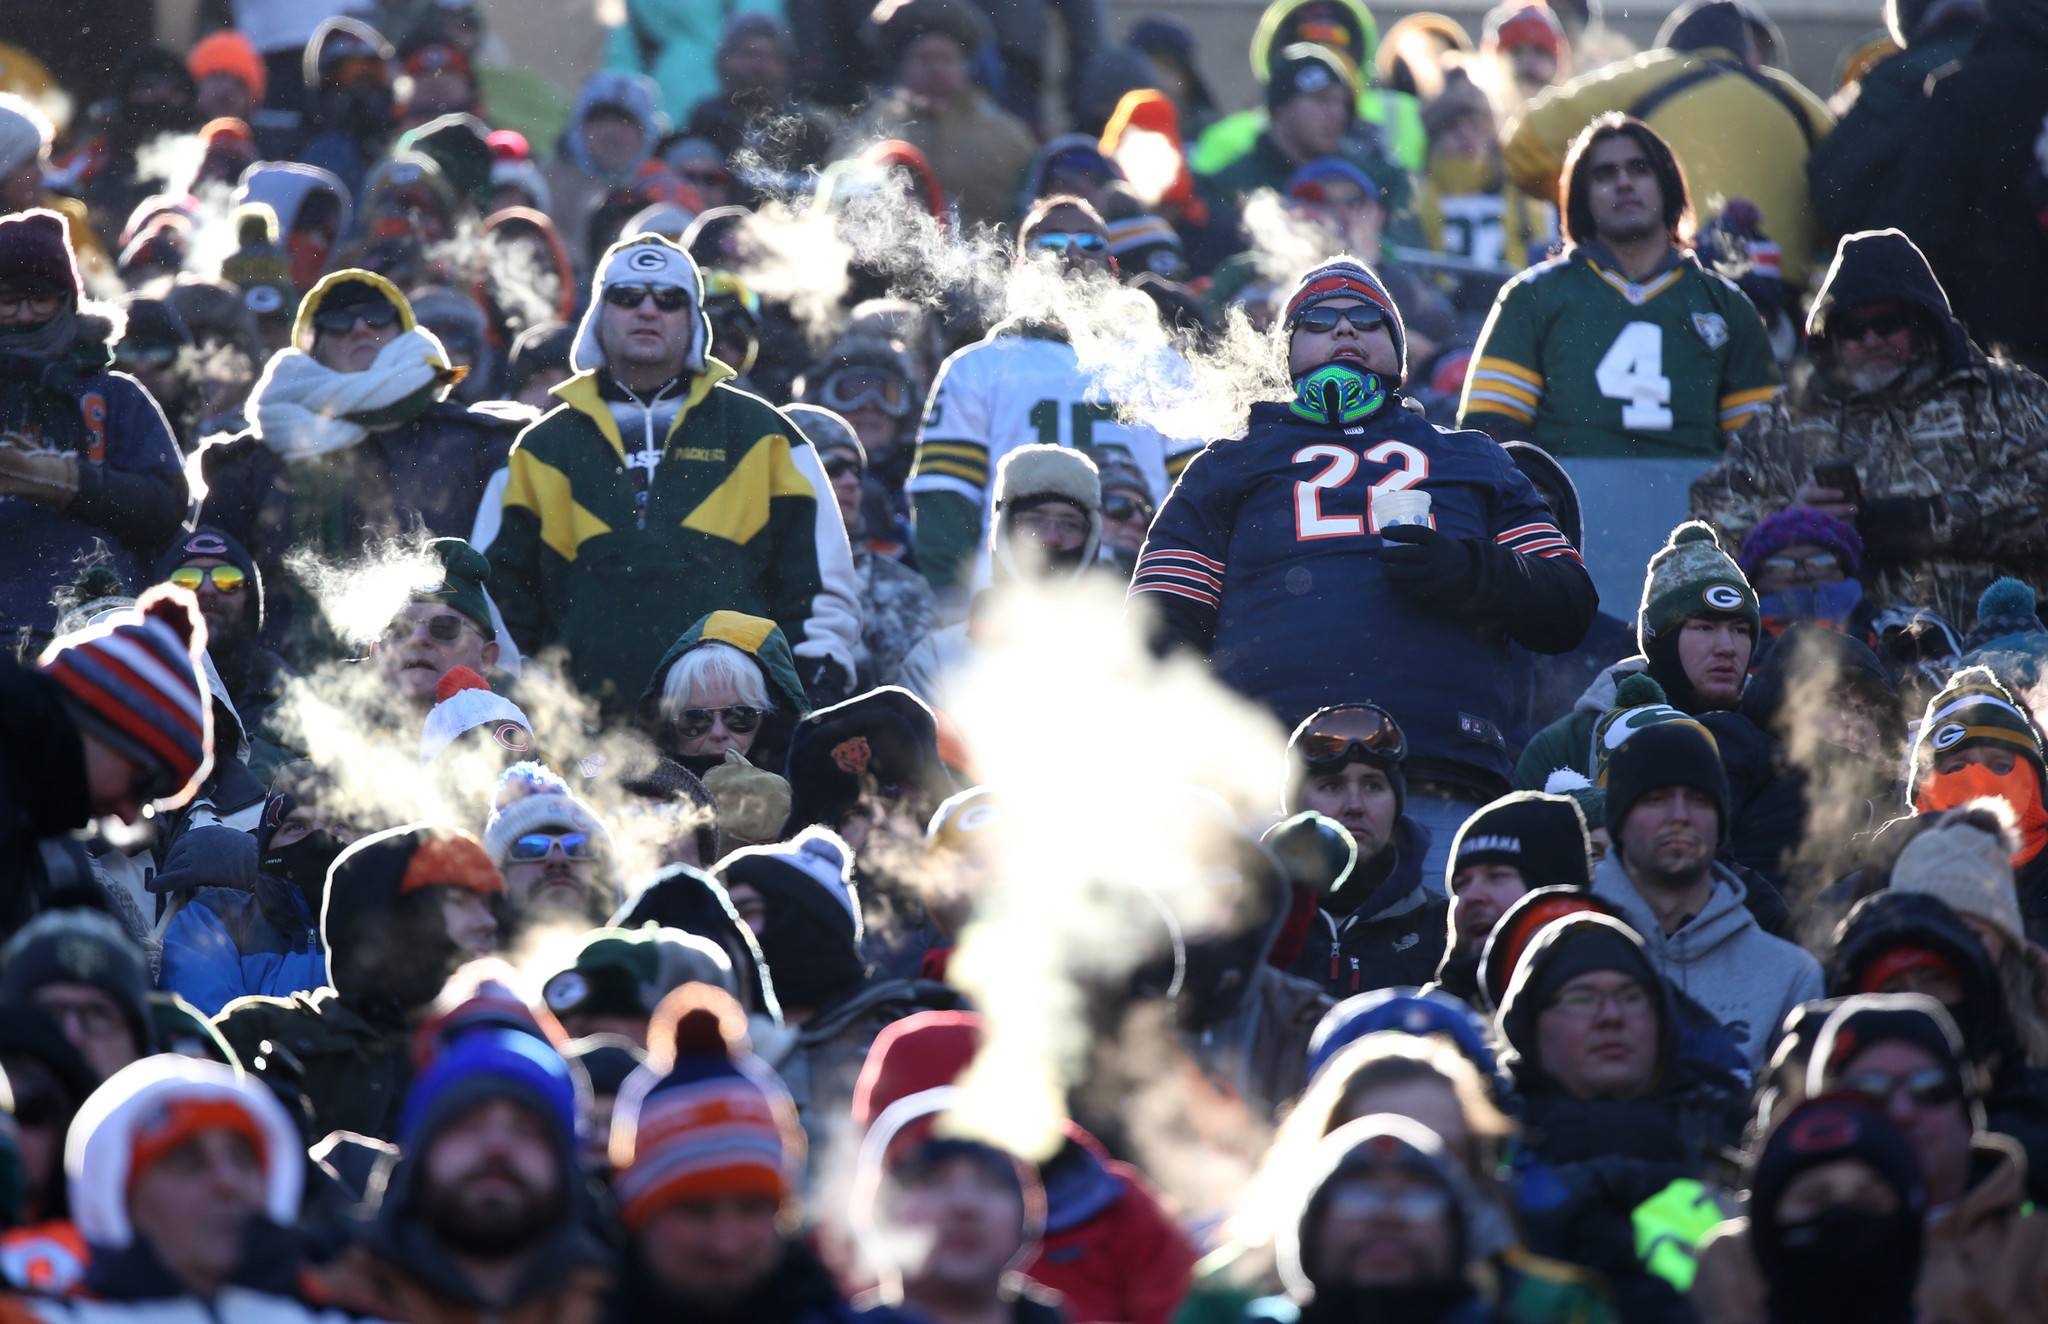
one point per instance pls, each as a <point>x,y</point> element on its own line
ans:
<point>825,681</point>
<point>1423,563</point>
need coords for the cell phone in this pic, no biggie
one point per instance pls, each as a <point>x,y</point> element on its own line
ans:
<point>1840,475</point>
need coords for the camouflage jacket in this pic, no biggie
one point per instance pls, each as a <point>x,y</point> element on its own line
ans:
<point>1954,471</point>
<point>896,611</point>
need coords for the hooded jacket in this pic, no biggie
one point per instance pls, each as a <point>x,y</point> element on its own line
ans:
<point>1395,115</point>
<point>770,652</point>
<point>1393,938</point>
<point>43,791</point>
<point>738,495</point>
<point>1721,957</point>
<point>685,898</point>
<point>1952,457</point>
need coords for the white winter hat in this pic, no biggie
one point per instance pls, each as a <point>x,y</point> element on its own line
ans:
<point>24,132</point>
<point>1966,866</point>
<point>645,259</point>
<point>532,798</point>
<point>464,701</point>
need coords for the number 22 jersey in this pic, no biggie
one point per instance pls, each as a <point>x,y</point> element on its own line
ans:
<point>1268,556</point>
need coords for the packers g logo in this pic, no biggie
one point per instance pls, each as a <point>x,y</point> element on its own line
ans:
<point>1723,597</point>
<point>649,258</point>
<point>1947,735</point>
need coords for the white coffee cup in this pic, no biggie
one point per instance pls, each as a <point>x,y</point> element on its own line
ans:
<point>1405,506</point>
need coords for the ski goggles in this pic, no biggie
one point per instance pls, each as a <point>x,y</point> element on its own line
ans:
<point>851,388</point>
<point>1355,731</point>
<point>1323,318</point>
<point>668,298</point>
<point>535,846</point>
<point>226,578</point>
<point>739,719</point>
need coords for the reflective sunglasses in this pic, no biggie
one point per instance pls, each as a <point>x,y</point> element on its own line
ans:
<point>226,578</point>
<point>536,845</point>
<point>445,628</point>
<point>1088,245</point>
<point>739,719</point>
<point>1324,317</point>
<point>1122,509</point>
<point>1885,324</point>
<point>668,298</point>
<point>850,388</point>
<point>1929,1087</point>
<point>379,314</point>
<point>1356,731</point>
<point>841,465</point>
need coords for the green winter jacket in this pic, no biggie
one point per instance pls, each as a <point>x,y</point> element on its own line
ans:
<point>732,523</point>
<point>1856,173</point>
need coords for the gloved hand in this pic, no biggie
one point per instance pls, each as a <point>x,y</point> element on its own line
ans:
<point>212,856</point>
<point>825,681</point>
<point>751,802</point>
<point>1423,563</point>
<point>48,476</point>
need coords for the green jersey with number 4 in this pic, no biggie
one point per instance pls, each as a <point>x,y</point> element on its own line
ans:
<point>1585,362</point>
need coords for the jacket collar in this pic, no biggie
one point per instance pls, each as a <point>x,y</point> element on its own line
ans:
<point>581,393</point>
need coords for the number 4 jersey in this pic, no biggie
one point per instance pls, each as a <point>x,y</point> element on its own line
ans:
<point>1584,362</point>
<point>1267,556</point>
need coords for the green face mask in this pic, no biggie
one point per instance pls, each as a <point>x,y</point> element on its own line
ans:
<point>1337,394</point>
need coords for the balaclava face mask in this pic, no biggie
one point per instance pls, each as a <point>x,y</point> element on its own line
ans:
<point>2020,788</point>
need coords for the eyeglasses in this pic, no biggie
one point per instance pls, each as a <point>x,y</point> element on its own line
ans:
<point>1324,317</point>
<point>841,465</point>
<point>40,303</point>
<point>1929,1087</point>
<point>739,719</point>
<point>445,628</point>
<point>1885,324</point>
<point>1807,567</point>
<point>668,298</point>
<point>1583,1004</point>
<point>1412,1204</point>
<point>1052,522</point>
<point>1057,241</point>
<point>537,845</point>
<point>850,388</point>
<point>1123,509</point>
<point>1356,731</point>
<point>226,578</point>
<point>379,315</point>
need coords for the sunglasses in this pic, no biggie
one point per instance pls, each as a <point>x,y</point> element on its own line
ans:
<point>1356,731</point>
<point>739,719</point>
<point>841,465</point>
<point>1088,245</point>
<point>536,845</point>
<point>850,388</point>
<point>1323,318</point>
<point>443,629</point>
<point>226,578</point>
<point>1123,509</point>
<point>1885,324</point>
<point>1929,1087</point>
<point>1416,1204</point>
<point>379,314</point>
<point>668,298</point>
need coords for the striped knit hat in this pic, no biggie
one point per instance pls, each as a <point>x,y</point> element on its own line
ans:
<point>135,682</point>
<point>1347,278</point>
<point>704,1118</point>
<point>1973,709</point>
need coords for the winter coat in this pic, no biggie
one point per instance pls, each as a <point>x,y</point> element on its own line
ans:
<point>354,1071</point>
<point>823,1059</point>
<point>131,1286</point>
<point>1973,184</point>
<point>131,478</point>
<point>1396,935</point>
<point>897,610</point>
<point>1738,133</point>
<point>1111,1249</point>
<point>798,1291</point>
<point>225,944</point>
<point>1260,1049</point>
<point>1857,173</point>
<point>735,498</point>
<point>1985,1260</point>
<point>770,652</point>
<point>1568,741</point>
<point>978,151</point>
<point>1953,458</point>
<point>43,791</point>
<point>1721,957</point>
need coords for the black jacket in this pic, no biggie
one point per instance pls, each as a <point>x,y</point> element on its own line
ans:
<point>43,790</point>
<point>1393,937</point>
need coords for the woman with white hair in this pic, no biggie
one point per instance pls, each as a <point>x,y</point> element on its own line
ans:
<point>729,683</point>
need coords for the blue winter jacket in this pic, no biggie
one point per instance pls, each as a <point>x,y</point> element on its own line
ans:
<point>227,944</point>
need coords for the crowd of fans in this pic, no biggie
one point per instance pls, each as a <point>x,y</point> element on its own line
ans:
<point>501,811</point>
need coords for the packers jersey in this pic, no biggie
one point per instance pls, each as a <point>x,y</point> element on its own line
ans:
<point>1587,363</point>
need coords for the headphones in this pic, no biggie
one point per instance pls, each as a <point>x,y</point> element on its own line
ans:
<point>1336,394</point>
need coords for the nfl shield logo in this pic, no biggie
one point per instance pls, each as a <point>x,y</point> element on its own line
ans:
<point>1713,328</point>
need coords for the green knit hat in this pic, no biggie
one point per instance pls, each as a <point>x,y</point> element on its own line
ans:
<point>1639,701</point>
<point>464,571</point>
<point>1973,709</point>
<point>1692,576</point>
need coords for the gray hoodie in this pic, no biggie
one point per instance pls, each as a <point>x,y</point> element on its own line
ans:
<point>1748,980</point>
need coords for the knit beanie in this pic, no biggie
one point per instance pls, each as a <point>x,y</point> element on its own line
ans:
<point>922,1051</point>
<point>910,1142</point>
<point>151,1107</point>
<point>627,972</point>
<point>1973,709</point>
<point>898,23</point>
<point>1966,866</point>
<point>1412,1011</point>
<point>1681,753</point>
<point>1542,836</point>
<point>1570,782</point>
<point>484,1064</point>
<point>1306,67</point>
<point>231,53</point>
<point>1824,1130</point>
<point>1520,923</point>
<point>532,798</point>
<point>465,702</point>
<point>2006,607</point>
<point>1347,278</point>
<point>1873,1018</point>
<point>24,132</point>
<point>135,681</point>
<point>1639,703</point>
<point>35,250</point>
<point>258,266</point>
<point>1691,576</point>
<point>1146,243</point>
<point>79,947</point>
<point>460,585</point>
<point>1801,524</point>
<point>607,1061</point>
<point>218,544</point>
<point>1510,25</point>
<point>812,935</point>
<point>704,1119</point>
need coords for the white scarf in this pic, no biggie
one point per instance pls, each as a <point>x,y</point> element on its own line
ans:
<point>303,408</point>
